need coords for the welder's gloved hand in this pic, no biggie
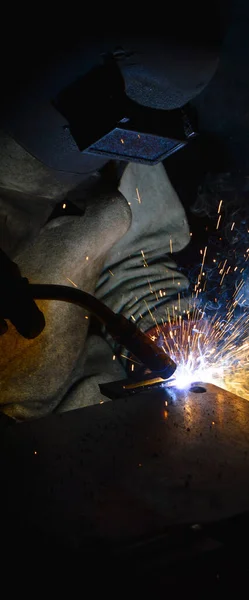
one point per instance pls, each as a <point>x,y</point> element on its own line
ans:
<point>140,278</point>
<point>16,301</point>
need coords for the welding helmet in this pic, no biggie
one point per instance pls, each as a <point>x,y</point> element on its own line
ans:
<point>76,103</point>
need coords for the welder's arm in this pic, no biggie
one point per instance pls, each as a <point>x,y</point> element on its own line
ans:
<point>140,278</point>
<point>54,371</point>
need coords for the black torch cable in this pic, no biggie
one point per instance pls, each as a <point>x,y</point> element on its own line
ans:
<point>122,330</point>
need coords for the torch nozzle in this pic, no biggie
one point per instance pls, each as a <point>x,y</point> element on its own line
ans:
<point>141,345</point>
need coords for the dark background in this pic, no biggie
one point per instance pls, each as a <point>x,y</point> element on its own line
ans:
<point>215,165</point>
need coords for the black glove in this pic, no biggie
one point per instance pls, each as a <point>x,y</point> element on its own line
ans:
<point>16,302</point>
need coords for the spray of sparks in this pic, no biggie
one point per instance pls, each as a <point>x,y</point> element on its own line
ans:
<point>212,350</point>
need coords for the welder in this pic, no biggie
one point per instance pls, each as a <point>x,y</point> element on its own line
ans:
<point>119,219</point>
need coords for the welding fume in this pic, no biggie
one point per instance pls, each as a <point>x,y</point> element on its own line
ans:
<point>86,202</point>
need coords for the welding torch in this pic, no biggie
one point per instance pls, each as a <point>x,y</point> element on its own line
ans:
<point>18,306</point>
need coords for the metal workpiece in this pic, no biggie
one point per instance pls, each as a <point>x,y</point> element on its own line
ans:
<point>132,467</point>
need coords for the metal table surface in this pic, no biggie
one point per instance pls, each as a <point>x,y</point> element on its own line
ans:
<point>130,467</point>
